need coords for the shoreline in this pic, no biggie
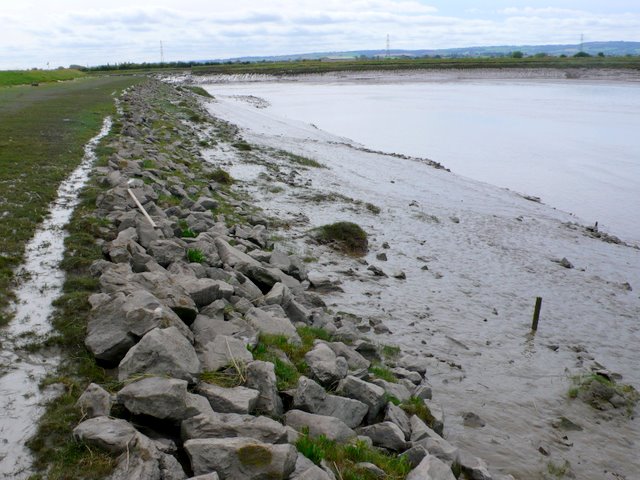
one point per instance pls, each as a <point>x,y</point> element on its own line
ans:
<point>484,288</point>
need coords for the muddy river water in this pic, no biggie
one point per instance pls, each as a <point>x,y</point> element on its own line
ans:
<point>475,255</point>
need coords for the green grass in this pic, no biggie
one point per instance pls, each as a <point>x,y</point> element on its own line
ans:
<point>221,176</point>
<point>383,372</point>
<point>300,160</point>
<point>390,351</point>
<point>42,134</point>
<point>195,256</point>
<point>318,66</point>
<point>582,383</point>
<point>416,406</point>
<point>345,457</point>
<point>288,357</point>
<point>28,77</point>
<point>199,91</point>
<point>346,237</point>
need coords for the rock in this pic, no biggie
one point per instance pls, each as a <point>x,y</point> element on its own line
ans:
<point>166,252</point>
<point>357,363</point>
<point>203,291</point>
<point>381,256</point>
<point>415,455</point>
<point>423,392</point>
<point>370,470</point>
<point>261,376</point>
<point>396,390</point>
<point>396,415</point>
<point>162,398</point>
<point>413,364</point>
<point>206,328</point>
<point>377,272</point>
<point>231,425</point>
<point>118,321</point>
<point>437,414</point>
<point>413,377</point>
<point>326,367</point>
<point>473,467</point>
<point>208,476</point>
<point>278,295</point>
<point>307,470</point>
<point>371,395</point>
<point>224,351</point>
<point>565,263</point>
<point>111,434</point>
<point>470,419</point>
<point>161,352</point>
<point>241,458</point>
<point>563,423</point>
<point>330,427</point>
<point>386,435</point>
<point>312,398</point>
<point>273,321</point>
<point>204,203</point>
<point>168,291</point>
<point>232,256</point>
<point>399,274</point>
<point>264,278</point>
<point>297,312</point>
<point>94,402</point>
<point>229,400</point>
<point>430,468</point>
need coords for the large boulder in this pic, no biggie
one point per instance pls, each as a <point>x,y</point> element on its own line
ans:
<point>162,398</point>
<point>357,363</point>
<point>231,255</point>
<point>261,376</point>
<point>398,416</point>
<point>229,400</point>
<point>231,425</point>
<point>203,291</point>
<point>224,351</point>
<point>325,366</point>
<point>422,435</point>
<point>161,352</point>
<point>368,393</point>
<point>311,397</point>
<point>241,458</point>
<point>166,252</point>
<point>272,320</point>
<point>396,390</point>
<point>330,427</point>
<point>473,467</point>
<point>117,321</point>
<point>168,289</point>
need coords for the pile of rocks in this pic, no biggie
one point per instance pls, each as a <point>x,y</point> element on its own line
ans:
<point>164,323</point>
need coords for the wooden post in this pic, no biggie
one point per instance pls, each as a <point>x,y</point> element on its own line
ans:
<point>144,212</point>
<point>536,314</point>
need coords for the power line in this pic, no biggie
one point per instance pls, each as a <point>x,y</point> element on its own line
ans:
<point>161,53</point>
<point>388,46</point>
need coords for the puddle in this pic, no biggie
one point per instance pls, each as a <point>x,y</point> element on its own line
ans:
<point>21,401</point>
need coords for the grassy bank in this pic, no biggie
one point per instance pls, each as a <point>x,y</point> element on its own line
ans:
<point>42,134</point>
<point>28,77</point>
<point>317,66</point>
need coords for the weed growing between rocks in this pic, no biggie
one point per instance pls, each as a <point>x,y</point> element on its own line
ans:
<point>602,392</point>
<point>347,459</point>
<point>346,237</point>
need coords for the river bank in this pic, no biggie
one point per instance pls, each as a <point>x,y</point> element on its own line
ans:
<point>475,257</point>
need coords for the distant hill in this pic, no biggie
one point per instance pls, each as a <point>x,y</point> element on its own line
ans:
<point>592,48</point>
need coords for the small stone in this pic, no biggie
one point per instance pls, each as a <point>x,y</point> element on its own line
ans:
<point>470,419</point>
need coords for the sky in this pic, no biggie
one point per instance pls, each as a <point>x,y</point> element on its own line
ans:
<point>52,33</point>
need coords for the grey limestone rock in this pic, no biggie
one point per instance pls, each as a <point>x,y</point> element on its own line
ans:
<point>241,458</point>
<point>368,393</point>
<point>357,363</point>
<point>261,376</point>
<point>386,435</point>
<point>231,255</point>
<point>224,351</point>
<point>229,400</point>
<point>473,467</point>
<point>231,425</point>
<point>272,320</point>
<point>330,427</point>
<point>431,468</point>
<point>422,435</point>
<point>166,251</point>
<point>161,352</point>
<point>111,434</point>
<point>396,415</point>
<point>162,398</point>
<point>311,397</point>
<point>415,454</point>
<point>95,401</point>
<point>307,470</point>
<point>326,367</point>
<point>396,390</point>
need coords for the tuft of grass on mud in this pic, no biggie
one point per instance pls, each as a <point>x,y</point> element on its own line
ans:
<point>199,91</point>
<point>602,392</point>
<point>346,237</point>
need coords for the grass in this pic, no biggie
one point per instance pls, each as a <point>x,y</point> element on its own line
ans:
<point>28,77</point>
<point>300,160</point>
<point>42,134</point>
<point>346,237</point>
<point>559,470</point>
<point>583,383</point>
<point>383,372</point>
<point>288,357</point>
<point>199,91</point>
<point>390,351</point>
<point>357,65</point>
<point>416,406</point>
<point>221,176</point>
<point>228,378</point>
<point>345,457</point>
<point>195,256</point>
<point>242,146</point>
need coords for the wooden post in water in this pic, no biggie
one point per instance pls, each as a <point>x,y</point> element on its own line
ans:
<point>536,314</point>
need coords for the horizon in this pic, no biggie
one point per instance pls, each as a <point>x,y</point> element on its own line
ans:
<point>83,32</point>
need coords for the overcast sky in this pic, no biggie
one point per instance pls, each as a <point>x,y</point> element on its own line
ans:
<point>87,32</point>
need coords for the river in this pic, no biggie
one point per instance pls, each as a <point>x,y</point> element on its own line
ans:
<point>574,144</point>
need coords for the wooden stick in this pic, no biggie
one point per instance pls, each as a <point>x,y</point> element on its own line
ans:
<point>536,314</point>
<point>153,224</point>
